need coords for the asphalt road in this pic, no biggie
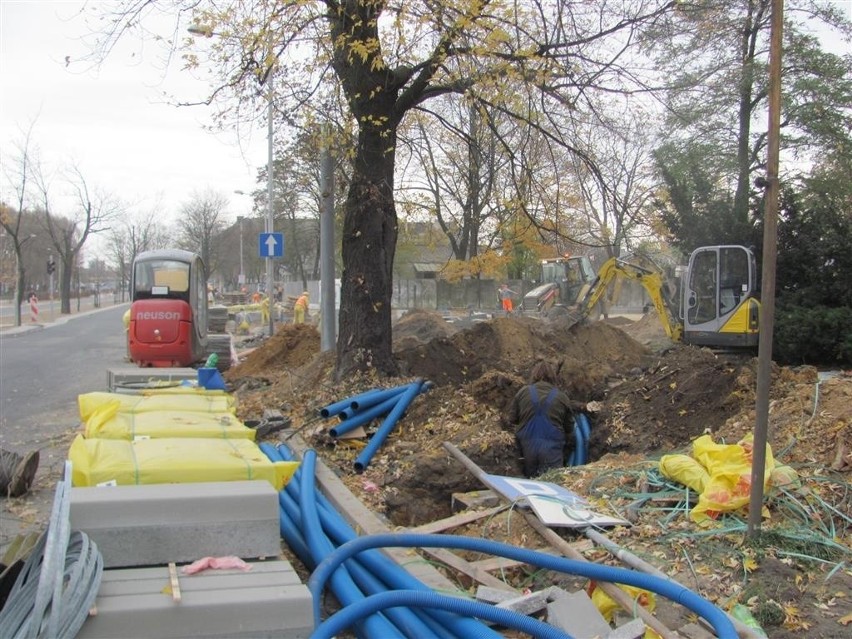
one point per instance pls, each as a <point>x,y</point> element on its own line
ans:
<point>42,371</point>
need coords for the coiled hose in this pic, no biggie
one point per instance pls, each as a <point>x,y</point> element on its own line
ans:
<point>717,618</point>
<point>385,573</point>
<point>59,581</point>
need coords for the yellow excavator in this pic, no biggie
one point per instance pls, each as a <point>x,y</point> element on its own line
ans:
<point>718,304</point>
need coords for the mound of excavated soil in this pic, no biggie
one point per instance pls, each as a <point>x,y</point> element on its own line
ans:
<point>293,346</point>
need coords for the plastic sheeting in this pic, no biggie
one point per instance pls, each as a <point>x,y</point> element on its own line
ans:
<point>727,485</point>
<point>108,422</point>
<point>173,461</point>
<point>175,399</point>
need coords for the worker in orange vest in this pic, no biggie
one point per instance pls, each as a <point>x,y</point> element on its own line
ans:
<point>300,309</point>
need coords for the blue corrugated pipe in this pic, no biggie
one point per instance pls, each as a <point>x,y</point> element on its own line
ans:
<point>361,400</point>
<point>583,422</point>
<point>364,416</point>
<point>392,575</point>
<point>377,396</point>
<point>364,457</point>
<point>407,621</point>
<point>576,457</point>
<point>371,398</point>
<point>291,527</point>
<point>582,433</point>
<point>346,617</point>
<point>715,617</point>
<point>345,589</point>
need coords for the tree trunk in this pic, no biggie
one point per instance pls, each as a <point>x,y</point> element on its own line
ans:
<point>368,246</point>
<point>746,89</point>
<point>19,283</point>
<point>65,286</point>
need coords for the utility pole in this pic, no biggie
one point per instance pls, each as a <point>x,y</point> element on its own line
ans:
<point>270,282</point>
<point>327,294</point>
<point>770,252</point>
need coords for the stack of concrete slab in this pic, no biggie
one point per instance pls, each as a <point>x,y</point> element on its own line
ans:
<point>154,524</point>
<point>133,379</point>
<point>267,601</point>
<point>161,525</point>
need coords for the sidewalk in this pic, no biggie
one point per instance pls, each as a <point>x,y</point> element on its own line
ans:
<point>8,328</point>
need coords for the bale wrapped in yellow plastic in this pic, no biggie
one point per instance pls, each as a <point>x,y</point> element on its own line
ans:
<point>108,422</point>
<point>729,467</point>
<point>178,399</point>
<point>172,461</point>
<point>685,470</point>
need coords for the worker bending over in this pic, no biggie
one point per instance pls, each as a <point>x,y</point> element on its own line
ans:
<point>300,308</point>
<point>543,420</point>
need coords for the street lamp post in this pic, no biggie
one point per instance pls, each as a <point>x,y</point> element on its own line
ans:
<point>269,219</point>
<point>242,278</point>
<point>202,30</point>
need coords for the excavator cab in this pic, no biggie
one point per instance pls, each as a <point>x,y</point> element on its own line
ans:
<point>720,307</point>
<point>168,311</point>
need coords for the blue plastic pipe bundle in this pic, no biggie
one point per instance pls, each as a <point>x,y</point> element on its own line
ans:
<point>307,515</point>
<point>381,599</point>
<point>361,409</point>
<point>582,433</point>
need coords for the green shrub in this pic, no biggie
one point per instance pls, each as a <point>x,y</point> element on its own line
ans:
<point>816,335</point>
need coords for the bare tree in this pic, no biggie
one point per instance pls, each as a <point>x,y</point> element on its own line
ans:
<point>18,172</point>
<point>615,202</point>
<point>202,220</point>
<point>130,237</point>
<point>94,211</point>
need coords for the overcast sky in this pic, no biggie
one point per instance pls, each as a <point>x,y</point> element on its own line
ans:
<point>112,123</point>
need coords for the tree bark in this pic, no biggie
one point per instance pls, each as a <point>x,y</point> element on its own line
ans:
<point>368,246</point>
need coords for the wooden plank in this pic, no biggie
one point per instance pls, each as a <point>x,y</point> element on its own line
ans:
<point>173,580</point>
<point>456,520</point>
<point>461,565</point>
<point>501,563</point>
<point>364,521</point>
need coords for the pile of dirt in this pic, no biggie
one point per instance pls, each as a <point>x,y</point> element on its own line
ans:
<point>650,398</point>
<point>290,348</point>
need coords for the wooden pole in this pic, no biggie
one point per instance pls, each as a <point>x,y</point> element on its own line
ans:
<point>767,294</point>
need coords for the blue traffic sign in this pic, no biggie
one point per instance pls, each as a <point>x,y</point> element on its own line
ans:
<point>271,244</point>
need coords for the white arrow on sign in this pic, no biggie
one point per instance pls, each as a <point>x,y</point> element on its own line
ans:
<point>271,244</point>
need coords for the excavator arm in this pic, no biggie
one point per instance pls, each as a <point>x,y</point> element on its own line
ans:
<point>651,280</point>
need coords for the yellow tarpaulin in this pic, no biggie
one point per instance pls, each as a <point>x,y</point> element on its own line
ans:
<point>177,399</point>
<point>108,422</point>
<point>727,484</point>
<point>173,461</point>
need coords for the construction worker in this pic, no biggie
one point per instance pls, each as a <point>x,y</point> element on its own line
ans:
<point>505,294</point>
<point>543,420</point>
<point>300,308</point>
<point>264,310</point>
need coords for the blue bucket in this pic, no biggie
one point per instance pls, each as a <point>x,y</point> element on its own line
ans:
<point>211,379</point>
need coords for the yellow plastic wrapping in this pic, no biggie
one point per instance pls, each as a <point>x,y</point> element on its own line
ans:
<point>607,606</point>
<point>729,467</point>
<point>173,461</point>
<point>685,470</point>
<point>177,398</point>
<point>108,422</point>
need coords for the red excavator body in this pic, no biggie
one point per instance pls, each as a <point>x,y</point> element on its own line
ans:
<point>168,313</point>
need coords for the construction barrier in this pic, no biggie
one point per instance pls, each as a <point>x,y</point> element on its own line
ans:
<point>33,308</point>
